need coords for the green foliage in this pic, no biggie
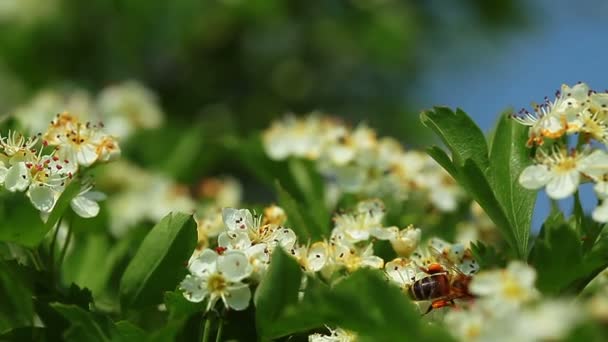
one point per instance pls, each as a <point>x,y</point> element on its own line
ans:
<point>154,269</point>
<point>20,222</point>
<point>364,303</point>
<point>300,217</point>
<point>278,290</point>
<point>17,309</point>
<point>489,177</point>
<point>487,256</point>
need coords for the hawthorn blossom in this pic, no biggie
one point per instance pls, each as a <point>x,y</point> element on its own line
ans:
<point>216,277</point>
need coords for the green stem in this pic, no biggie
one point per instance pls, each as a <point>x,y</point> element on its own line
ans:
<point>207,329</point>
<point>220,329</point>
<point>53,243</point>
<point>64,249</point>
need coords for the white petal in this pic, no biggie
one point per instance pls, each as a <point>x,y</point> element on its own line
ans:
<point>601,189</point>
<point>534,177</point>
<point>204,264</point>
<point>594,165</point>
<point>401,271</point>
<point>234,240</point>
<point>237,219</point>
<point>389,233</point>
<point>563,185</point>
<point>238,297</point>
<point>17,178</point>
<point>317,256</point>
<point>600,213</point>
<point>286,237</point>
<point>372,261</point>
<point>234,265</point>
<point>522,272</point>
<point>84,207</point>
<point>3,172</point>
<point>42,197</point>
<point>86,155</point>
<point>194,289</point>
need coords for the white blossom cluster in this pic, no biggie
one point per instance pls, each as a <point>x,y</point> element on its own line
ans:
<point>43,166</point>
<point>570,134</point>
<point>508,308</point>
<point>357,161</point>
<point>124,108</point>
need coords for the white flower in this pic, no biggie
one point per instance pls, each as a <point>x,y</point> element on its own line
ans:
<point>405,241</point>
<point>403,272</point>
<point>365,222</point>
<point>128,106</point>
<point>561,172</point>
<point>85,203</point>
<point>552,118</point>
<point>354,257</point>
<point>337,335</point>
<point>271,234</point>
<point>218,277</point>
<point>508,287</point>
<point>312,258</point>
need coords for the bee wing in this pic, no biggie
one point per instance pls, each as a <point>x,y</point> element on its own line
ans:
<point>444,260</point>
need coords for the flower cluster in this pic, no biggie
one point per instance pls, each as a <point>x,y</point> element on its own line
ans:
<point>562,164</point>
<point>124,108</point>
<point>508,309</point>
<point>142,196</point>
<point>241,256</point>
<point>254,237</point>
<point>43,165</point>
<point>357,161</point>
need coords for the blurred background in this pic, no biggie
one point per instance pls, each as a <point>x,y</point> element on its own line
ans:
<point>231,66</point>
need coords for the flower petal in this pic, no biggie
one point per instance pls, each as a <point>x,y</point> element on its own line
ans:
<point>42,197</point>
<point>194,290</point>
<point>84,207</point>
<point>534,177</point>
<point>204,264</point>
<point>237,219</point>
<point>234,265</point>
<point>600,213</point>
<point>17,178</point>
<point>317,256</point>
<point>238,297</point>
<point>563,185</point>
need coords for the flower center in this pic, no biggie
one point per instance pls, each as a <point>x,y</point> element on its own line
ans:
<point>512,290</point>
<point>566,165</point>
<point>216,283</point>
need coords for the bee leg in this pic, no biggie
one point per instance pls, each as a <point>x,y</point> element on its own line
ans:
<point>438,304</point>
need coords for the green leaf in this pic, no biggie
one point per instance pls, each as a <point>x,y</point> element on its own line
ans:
<point>158,265</point>
<point>311,185</point>
<point>17,308</point>
<point>508,159</point>
<point>298,217</point>
<point>558,259</point>
<point>20,222</point>
<point>179,308</point>
<point>460,134</point>
<point>84,325</point>
<point>365,303</point>
<point>487,256</point>
<point>277,290</point>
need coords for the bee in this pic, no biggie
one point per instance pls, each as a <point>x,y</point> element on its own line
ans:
<point>444,283</point>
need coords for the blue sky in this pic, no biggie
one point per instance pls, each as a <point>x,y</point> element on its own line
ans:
<point>567,44</point>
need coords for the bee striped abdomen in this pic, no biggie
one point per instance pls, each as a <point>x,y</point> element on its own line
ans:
<point>433,286</point>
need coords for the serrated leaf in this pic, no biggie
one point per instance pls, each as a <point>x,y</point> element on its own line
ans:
<point>558,259</point>
<point>277,290</point>
<point>365,303</point>
<point>509,157</point>
<point>487,256</point>
<point>460,134</point>
<point>158,265</point>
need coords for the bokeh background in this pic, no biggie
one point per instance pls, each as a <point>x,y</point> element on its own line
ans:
<point>232,66</point>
